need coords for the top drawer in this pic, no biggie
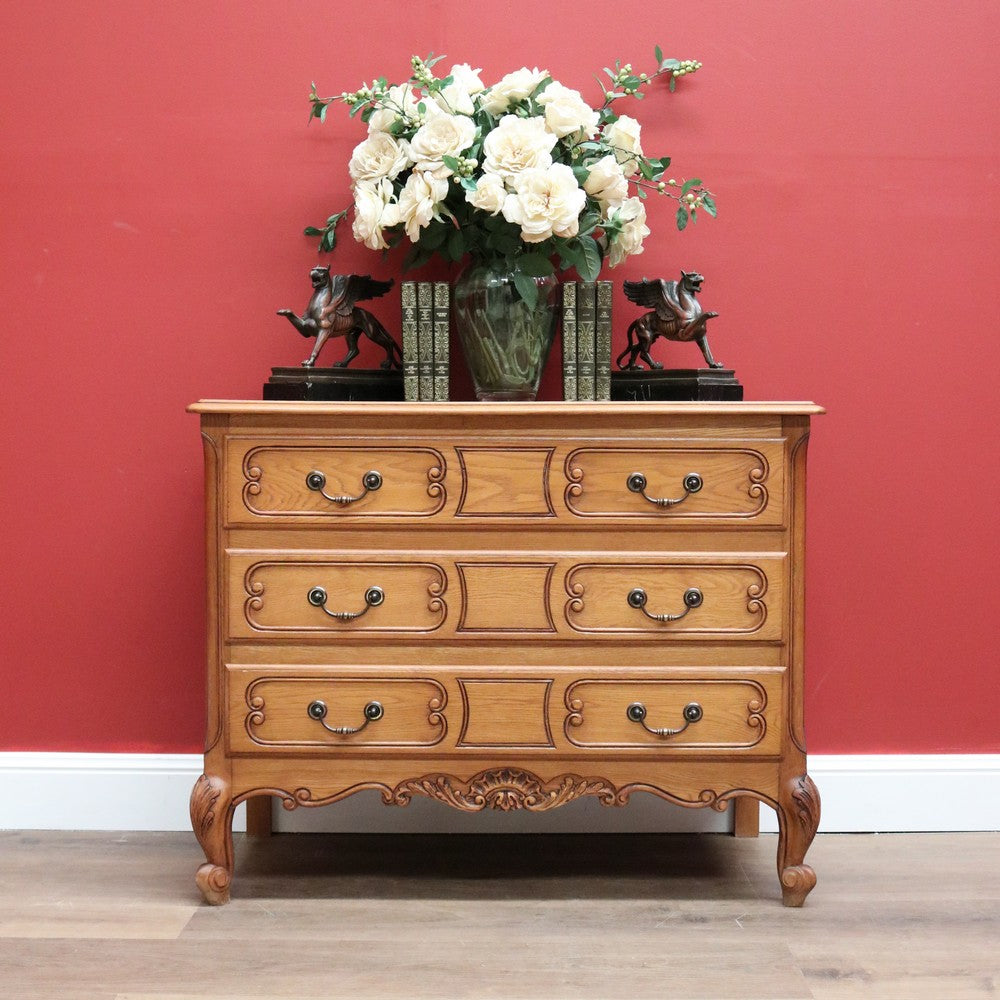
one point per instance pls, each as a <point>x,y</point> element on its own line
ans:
<point>695,481</point>
<point>298,479</point>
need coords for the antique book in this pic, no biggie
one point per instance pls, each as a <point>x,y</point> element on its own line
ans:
<point>569,339</point>
<point>442,329</point>
<point>425,340</point>
<point>408,300</point>
<point>602,350</point>
<point>586,333</point>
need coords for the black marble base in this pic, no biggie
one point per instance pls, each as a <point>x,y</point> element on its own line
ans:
<point>676,385</point>
<point>335,385</point>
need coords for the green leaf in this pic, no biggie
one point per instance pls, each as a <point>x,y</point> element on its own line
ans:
<point>682,217</point>
<point>417,257</point>
<point>589,221</point>
<point>526,288</point>
<point>589,266</point>
<point>581,173</point>
<point>469,184</point>
<point>535,265</point>
<point>456,244</point>
<point>312,231</point>
<point>670,64</point>
<point>658,55</point>
<point>451,162</point>
<point>673,84</point>
<point>693,183</point>
<point>434,236</point>
<point>708,203</point>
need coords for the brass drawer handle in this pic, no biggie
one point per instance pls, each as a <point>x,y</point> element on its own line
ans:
<point>636,712</point>
<point>693,598</point>
<point>371,481</point>
<point>692,482</point>
<point>317,710</point>
<point>317,597</point>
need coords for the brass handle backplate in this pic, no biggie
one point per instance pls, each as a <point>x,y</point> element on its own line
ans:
<point>693,598</point>
<point>317,597</point>
<point>370,481</point>
<point>317,710</point>
<point>636,712</point>
<point>691,483</point>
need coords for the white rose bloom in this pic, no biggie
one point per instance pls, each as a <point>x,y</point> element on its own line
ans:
<point>566,111</point>
<point>418,201</point>
<point>606,182</point>
<point>512,88</point>
<point>629,242</point>
<point>489,194</point>
<point>373,212</point>
<point>457,96</point>
<point>442,135</point>
<point>517,144</point>
<point>624,136</point>
<point>402,104</point>
<point>545,203</point>
<point>380,155</point>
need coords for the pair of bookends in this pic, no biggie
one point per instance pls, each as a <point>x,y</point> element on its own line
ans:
<point>674,314</point>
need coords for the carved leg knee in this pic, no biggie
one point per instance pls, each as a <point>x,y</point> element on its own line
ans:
<point>798,817</point>
<point>212,820</point>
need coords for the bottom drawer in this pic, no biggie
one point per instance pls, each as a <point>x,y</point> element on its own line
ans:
<point>309,710</point>
<point>719,713</point>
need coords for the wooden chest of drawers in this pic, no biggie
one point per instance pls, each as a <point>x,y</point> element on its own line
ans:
<point>505,606</point>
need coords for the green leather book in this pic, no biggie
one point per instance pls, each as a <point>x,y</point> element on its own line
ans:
<point>586,337</point>
<point>569,339</point>
<point>442,329</point>
<point>408,302</point>
<point>602,348</point>
<point>425,340</point>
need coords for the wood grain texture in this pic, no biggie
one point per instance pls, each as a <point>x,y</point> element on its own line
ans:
<point>505,542</point>
<point>614,917</point>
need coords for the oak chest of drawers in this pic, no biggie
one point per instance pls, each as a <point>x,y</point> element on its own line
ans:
<point>505,606</point>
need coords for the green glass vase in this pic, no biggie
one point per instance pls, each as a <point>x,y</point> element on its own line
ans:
<point>505,341</point>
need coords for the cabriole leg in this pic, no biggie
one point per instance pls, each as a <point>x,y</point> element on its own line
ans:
<point>212,820</point>
<point>798,817</point>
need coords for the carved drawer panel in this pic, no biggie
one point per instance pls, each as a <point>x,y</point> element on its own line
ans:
<point>306,708</point>
<point>680,481</point>
<point>277,479</point>
<point>720,713</point>
<point>695,596</point>
<point>329,594</point>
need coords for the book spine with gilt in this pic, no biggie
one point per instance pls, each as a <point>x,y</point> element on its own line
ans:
<point>425,340</point>
<point>586,334</point>
<point>408,302</point>
<point>569,339</point>
<point>442,331</point>
<point>602,347</point>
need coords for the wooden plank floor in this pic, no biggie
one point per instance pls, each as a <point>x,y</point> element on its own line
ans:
<point>117,917</point>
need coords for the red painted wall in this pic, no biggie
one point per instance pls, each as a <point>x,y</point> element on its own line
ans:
<point>157,170</point>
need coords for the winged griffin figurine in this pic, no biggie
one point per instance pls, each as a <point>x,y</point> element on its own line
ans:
<point>676,314</point>
<point>332,313</point>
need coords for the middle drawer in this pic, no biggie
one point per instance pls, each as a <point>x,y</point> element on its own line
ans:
<point>478,595</point>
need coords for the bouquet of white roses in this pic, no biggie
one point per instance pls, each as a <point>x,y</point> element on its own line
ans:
<point>525,171</point>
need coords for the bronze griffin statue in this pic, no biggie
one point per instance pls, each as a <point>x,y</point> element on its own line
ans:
<point>676,314</point>
<point>332,313</point>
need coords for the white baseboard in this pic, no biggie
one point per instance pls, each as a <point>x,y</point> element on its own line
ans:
<point>860,793</point>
